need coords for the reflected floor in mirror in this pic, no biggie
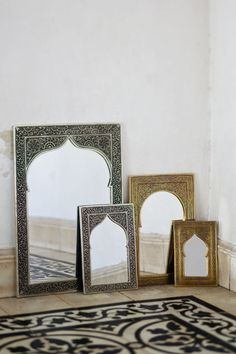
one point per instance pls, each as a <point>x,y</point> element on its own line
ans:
<point>51,265</point>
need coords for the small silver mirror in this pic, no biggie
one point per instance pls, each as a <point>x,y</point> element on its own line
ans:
<point>108,247</point>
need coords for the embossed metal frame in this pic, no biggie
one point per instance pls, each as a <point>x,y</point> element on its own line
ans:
<point>89,218</point>
<point>140,188</point>
<point>29,141</point>
<point>207,232</point>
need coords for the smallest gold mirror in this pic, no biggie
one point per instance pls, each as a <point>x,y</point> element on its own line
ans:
<point>195,253</point>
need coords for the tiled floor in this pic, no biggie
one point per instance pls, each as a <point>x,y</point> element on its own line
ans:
<point>214,295</point>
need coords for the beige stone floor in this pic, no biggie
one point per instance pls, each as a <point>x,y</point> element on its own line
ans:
<point>214,295</point>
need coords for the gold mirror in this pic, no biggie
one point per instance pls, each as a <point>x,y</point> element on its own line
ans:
<point>195,253</point>
<point>158,199</point>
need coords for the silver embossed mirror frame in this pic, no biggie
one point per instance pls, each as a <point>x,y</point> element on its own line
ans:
<point>89,218</point>
<point>29,142</point>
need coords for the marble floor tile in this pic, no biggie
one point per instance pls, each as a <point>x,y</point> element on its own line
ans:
<point>31,304</point>
<point>217,296</point>
<point>80,299</point>
<point>2,313</point>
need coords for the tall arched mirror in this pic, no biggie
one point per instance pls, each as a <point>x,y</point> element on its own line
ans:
<point>52,203</point>
<point>58,168</point>
<point>158,200</point>
<point>157,213</point>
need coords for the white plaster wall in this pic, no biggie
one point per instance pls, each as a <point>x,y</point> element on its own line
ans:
<point>143,63</point>
<point>223,117</point>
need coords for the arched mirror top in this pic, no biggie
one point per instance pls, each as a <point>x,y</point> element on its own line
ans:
<point>195,242</point>
<point>58,171</point>
<point>160,206</point>
<point>68,145</point>
<point>180,185</point>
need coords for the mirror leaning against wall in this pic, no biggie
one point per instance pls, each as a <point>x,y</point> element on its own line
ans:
<point>58,168</point>
<point>158,199</point>
<point>108,245</point>
<point>195,250</point>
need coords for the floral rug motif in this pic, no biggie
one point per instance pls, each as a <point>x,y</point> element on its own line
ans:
<point>171,325</point>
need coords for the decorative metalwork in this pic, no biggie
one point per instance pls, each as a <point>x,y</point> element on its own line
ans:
<point>90,217</point>
<point>30,141</point>
<point>207,232</point>
<point>141,187</point>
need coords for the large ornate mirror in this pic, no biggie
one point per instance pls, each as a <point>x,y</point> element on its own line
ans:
<point>57,169</point>
<point>108,247</point>
<point>158,200</point>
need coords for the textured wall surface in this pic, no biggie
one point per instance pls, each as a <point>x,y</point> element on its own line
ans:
<point>223,117</point>
<point>143,63</point>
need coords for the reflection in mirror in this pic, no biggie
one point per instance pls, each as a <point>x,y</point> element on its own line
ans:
<point>108,267</point>
<point>58,181</point>
<point>195,258</point>
<point>157,213</point>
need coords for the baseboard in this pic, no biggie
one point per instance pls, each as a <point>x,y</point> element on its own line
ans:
<point>226,255</point>
<point>7,273</point>
<point>227,265</point>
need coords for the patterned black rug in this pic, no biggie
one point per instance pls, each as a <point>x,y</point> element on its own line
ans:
<point>171,325</point>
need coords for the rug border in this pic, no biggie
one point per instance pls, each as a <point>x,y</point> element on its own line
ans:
<point>192,297</point>
<point>181,321</point>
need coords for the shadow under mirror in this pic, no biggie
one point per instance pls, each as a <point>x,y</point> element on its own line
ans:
<point>108,267</point>
<point>59,180</point>
<point>156,216</point>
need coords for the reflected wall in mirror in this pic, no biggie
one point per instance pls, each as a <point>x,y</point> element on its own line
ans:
<point>52,215</point>
<point>57,168</point>
<point>158,199</point>
<point>195,253</point>
<point>108,247</point>
<point>195,257</point>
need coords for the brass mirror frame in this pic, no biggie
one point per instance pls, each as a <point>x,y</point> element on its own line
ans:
<point>89,218</point>
<point>140,188</point>
<point>29,142</point>
<point>207,232</point>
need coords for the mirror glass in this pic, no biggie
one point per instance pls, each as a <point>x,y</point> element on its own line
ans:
<point>59,180</point>
<point>109,264</point>
<point>195,258</point>
<point>157,213</point>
